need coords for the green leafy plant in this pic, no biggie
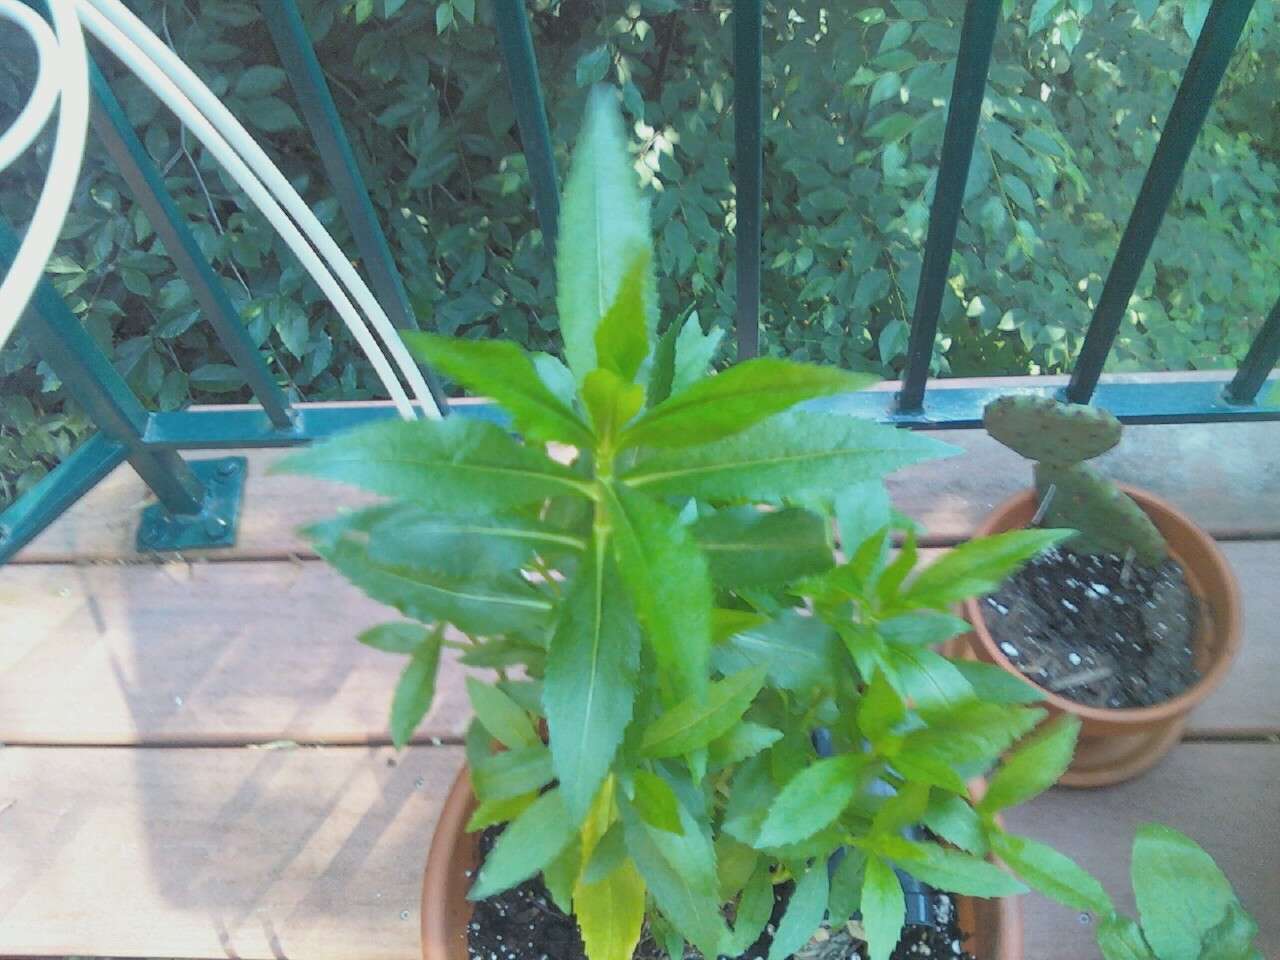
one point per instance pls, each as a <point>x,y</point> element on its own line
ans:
<point>1060,437</point>
<point>666,602</point>
<point>1077,94</point>
<point>1186,906</point>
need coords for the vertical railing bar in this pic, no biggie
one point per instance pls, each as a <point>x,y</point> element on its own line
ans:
<point>748,167</point>
<point>964,110</point>
<point>1209,60</point>
<point>94,383</point>
<point>1263,355</point>
<point>298,56</point>
<point>147,185</point>
<point>516,46</point>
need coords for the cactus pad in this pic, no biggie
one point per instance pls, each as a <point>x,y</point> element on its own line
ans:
<point>1108,520</point>
<point>1047,430</point>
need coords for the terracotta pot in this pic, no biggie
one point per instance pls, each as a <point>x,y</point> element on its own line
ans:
<point>1119,744</point>
<point>996,924</point>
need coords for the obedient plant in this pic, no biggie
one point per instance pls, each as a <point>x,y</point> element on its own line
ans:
<point>1060,437</point>
<point>651,573</point>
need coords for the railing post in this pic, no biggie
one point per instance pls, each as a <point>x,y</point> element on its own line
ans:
<point>138,170</point>
<point>1261,359</point>
<point>298,56</point>
<point>1209,60</point>
<point>977,37</point>
<point>516,46</point>
<point>748,168</point>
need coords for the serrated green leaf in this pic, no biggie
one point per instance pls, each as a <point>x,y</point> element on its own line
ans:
<point>604,223</point>
<point>798,652</point>
<point>694,351</point>
<point>784,455</point>
<point>414,691</point>
<point>744,741</point>
<point>501,716</point>
<point>666,577</point>
<point>493,812</point>
<point>846,886</point>
<point>804,913</point>
<point>694,722</point>
<point>395,637</point>
<point>501,370</point>
<point>1181,893</point>
<point>884,908</point>
<point>921,628</point>
<point>977,567</point>
<point>656,802</point>
<point>746,547</point>
<point>511,773</point>
<point>745,394</point>
<point>611,402</point>
<point>590,683</point>
<point>954,820</point>
<point>607,855</point>
<point>1034,766</point>
<point>754,910</point>
<point>445,466</point>
<point>881,708</point>
<point>811,800</point>
<point>1052,873</point>
<point>531,841</point>
<point>862,510</point>
<point>995,684</point>
<point>928,679</point>
<point>957,872</point>
<point>679,870</point>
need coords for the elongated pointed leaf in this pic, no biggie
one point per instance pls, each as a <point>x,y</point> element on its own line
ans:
<point>754,909</point>
<point>679,870</point>
<point>976,567</point>
<point>744,741</point>
<point>884,908</point>
<point>590,683</point>
<point>610,913</point>
<point>656,802</point>
<point>1120,938</point>
<point>811,800</point>
<point>805,910</point>
<point>1181,892</point>
<point>611,401</point>
<point>1034,766</point>
<point>456,465</point>
<point>501,370</point>
<point>694,351</point>
<point>396,637</point>
<point>528,844</point>
<point>927,678</point>
<point>666,576</point>
<point>1052,873</point>
<point>415,690</point>
<point>746,547</point>
<point>604,224</point>
<point>622,339</point>
<point>511,773</point>
<point>797,652</point>
<point>742,396</point>
<point>957,872</point>
<point>502,716</point>
<point>695,722</point>
<point>784,455</point>
<point>954,820</point>
<point>480,605</point>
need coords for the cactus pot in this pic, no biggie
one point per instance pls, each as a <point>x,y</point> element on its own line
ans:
<point>996,925</point>
<point>1119,744</point>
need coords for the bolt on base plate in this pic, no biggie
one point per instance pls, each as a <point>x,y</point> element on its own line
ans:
<point>214,526</point>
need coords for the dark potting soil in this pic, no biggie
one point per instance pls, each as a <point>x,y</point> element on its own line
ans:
<point>525,924</point>
<point>1095,632</point>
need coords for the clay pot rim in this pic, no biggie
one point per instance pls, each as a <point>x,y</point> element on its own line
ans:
<point>1228,626</point>
<point>451,831</point>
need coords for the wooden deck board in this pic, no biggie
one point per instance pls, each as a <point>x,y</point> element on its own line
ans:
<point>1226,476</point>
<point>317,853</point>
<point>233,653</point>
<point>306,853</point>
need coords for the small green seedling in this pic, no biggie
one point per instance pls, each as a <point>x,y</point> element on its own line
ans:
<point>1186,906</point>
<point>1060,437</point>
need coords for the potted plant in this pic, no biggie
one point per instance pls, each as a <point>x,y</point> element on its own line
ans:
<point>1128,626</point>
<point>702,725</point>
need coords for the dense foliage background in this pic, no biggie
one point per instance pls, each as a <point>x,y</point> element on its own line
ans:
<point>855,104</point>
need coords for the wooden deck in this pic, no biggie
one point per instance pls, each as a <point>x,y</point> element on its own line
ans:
<point>195,758</point>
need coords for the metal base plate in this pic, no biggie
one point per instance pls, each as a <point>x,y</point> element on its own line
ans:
<point>215,526</point>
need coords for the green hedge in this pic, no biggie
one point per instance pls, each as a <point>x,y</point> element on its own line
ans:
<point>855,105</point>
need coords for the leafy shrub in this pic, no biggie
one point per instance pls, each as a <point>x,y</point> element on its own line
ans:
<point>856,96</point>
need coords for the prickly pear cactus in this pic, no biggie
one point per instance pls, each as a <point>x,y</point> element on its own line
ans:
<point>1108,519</point>
<point>1043,429</point>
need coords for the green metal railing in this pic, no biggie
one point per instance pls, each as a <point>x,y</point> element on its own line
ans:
<point>198,501</point>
